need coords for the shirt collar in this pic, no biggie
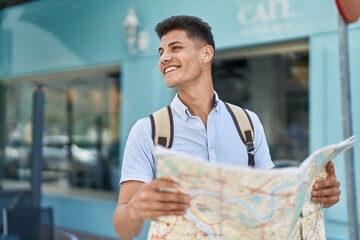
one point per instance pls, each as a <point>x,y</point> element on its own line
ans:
<point>183,111</point>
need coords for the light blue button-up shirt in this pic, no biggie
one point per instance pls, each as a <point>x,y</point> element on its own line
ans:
<point>219,143</point>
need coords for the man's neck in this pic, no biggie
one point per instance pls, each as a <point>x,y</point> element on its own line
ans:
<point>200,101</point>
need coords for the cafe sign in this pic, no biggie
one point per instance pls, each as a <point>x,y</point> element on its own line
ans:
<point>268,16</point>
<point>265,11</point>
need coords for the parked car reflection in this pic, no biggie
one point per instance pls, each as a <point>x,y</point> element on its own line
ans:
<point>82,164</point>
<point>86,166</point>
<point>56,152</point>
<point>17,158</point>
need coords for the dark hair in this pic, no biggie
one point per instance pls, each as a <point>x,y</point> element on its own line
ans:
<point>194,27</point>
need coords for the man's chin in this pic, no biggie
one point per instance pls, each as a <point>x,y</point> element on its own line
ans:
<point>170,84</point>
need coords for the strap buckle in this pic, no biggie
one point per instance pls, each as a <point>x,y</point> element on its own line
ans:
<point>250,147</point>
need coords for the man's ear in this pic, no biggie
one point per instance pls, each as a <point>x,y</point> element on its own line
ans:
<point>207,53</point>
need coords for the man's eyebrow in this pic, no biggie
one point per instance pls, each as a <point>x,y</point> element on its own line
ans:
<point>170,44</point>
<point>173,43</point>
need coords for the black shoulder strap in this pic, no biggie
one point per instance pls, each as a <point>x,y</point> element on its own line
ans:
<point>162,127</point>
<point>245,129</point>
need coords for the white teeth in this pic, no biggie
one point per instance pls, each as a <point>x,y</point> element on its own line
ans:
<point>169,69</point>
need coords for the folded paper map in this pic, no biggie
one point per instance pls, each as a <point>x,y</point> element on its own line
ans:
<point>231,202</point>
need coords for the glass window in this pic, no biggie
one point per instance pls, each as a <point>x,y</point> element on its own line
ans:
<point>17,135</point>
<point>81,133</point>
<point>274,86</point>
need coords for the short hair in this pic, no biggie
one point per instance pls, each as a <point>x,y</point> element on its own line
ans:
<point>193,26</point>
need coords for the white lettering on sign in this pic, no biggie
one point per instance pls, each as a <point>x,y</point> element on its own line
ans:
<point>265,11</point>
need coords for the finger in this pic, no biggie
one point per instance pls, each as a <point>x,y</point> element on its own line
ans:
<point>153,210</point>
<point>152,196</point>
<point>326,201</point>
<point>328,192</point>
<point>146,209</point>
<point>328,183</point>
<point>166,183</point>
<point>173,197</point>
<point>166,206</point>
<point>156,214</point>
<point>330,169</point>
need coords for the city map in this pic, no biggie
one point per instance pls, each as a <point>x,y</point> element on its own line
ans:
<point>231,202</point>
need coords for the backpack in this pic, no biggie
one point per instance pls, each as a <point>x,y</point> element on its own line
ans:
<point>162,127</point>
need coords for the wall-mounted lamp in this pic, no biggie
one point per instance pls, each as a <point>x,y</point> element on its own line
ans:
<point>136,40</point>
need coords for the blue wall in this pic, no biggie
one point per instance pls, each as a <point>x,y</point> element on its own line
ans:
<point>46,36</point>
<point>63,35</point>
<point>87,215</point>
<point>326,114</point>
<point>53,35</point>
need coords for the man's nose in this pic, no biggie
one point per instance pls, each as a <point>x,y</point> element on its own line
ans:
<point>165,57</point>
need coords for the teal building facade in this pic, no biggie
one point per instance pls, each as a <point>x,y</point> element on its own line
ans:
<point>42,40</point>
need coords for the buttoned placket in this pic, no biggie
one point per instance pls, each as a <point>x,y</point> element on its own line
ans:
<point>210,132</point>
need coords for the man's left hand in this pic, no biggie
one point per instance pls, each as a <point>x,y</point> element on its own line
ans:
<point>327,192</point>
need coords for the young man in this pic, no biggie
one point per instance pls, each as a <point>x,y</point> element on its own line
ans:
<point>202,127</point>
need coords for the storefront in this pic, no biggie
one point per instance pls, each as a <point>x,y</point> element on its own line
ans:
<point>276,57</point>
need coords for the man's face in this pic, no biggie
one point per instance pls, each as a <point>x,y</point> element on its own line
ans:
<point>180,59</point>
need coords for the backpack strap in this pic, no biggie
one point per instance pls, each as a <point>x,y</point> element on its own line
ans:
<point>245,129</point>
<point>162,127</point>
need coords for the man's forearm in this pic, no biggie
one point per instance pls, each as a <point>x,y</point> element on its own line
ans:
<point>126,227</point>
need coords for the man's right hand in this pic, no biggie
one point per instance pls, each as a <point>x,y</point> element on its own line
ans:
<point>139,201</point>
<point>161,197</point>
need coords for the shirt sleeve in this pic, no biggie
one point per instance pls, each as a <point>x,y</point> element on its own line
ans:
<point>138,161</point>
<point>262,153</point>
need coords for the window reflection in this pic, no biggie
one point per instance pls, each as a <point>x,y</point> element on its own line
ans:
<point>80,138</point>
<point>275,86</point>
<point>16,159</point>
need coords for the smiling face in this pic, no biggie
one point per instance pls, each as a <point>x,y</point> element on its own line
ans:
<point>181,59</point>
